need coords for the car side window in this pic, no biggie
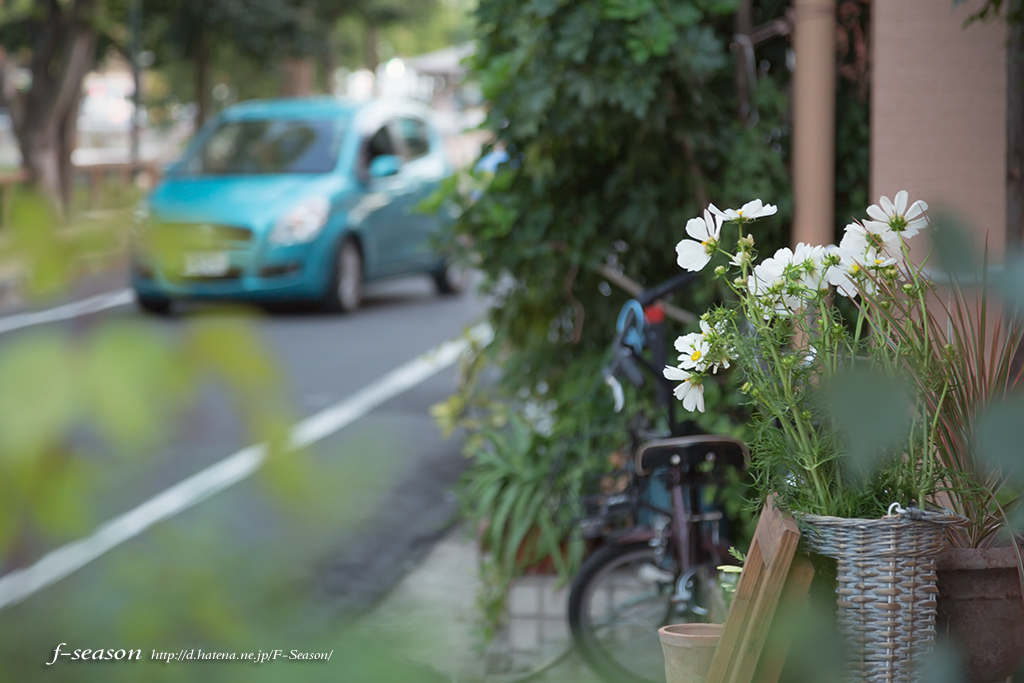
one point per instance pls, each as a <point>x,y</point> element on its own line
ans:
<point>413,133</point>
<point>374,146</point>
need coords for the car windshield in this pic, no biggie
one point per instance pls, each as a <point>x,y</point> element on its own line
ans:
<point>255,147</point>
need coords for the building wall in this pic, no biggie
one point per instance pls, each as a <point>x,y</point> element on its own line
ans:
<point>938,125</point>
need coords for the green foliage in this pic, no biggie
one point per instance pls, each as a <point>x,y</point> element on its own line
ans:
<point>121,381</point>
<point>517,498</point>
<point>81,408</point>
<point>619,120</point>
<point>615,134</point>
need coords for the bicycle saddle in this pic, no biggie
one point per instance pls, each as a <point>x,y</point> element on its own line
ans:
<point>723,451</point>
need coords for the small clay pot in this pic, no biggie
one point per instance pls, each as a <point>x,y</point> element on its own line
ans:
<point>689,649</point>
<point>980,609</point>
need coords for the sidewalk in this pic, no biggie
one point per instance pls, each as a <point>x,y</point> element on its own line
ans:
<point>433,609</point>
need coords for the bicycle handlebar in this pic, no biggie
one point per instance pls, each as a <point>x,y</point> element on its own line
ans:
<point>625,357</point>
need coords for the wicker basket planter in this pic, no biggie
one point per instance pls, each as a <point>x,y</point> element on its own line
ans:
<point>886,592</point>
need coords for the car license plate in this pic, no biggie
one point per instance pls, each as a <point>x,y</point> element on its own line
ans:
<point>206,264</point>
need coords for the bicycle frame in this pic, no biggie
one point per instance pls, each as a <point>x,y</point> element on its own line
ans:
<point>685,517</point>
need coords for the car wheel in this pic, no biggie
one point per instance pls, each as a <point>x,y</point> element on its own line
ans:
<point>346,290</point>
<point>157,305</point>
<point>451,279</point>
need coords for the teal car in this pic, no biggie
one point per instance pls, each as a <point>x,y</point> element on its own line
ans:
<point>293,200</point>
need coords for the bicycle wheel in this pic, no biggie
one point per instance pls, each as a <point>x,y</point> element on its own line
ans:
<point>622,595</point>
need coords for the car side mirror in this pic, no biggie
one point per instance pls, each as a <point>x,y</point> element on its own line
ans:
<point>384,165</point>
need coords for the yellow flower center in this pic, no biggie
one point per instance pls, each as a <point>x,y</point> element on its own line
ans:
<point>704,242</point>
<point>878,261</point>
<point>696,355</point>
<point>855,269</point>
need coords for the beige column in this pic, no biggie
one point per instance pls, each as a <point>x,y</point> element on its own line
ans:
<point>814,121</point>
<point>938,112</point>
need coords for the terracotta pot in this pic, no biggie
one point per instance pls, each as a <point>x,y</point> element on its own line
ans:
<point>981,610</point>
<point>689,649</point>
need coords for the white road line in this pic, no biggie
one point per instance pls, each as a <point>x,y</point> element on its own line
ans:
<point>54,566</point>
<point>93,304</point>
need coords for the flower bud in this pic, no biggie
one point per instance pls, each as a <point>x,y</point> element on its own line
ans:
<point>745,388</point>
<point>720,270</point>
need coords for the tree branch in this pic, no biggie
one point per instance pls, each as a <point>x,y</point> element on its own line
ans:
<point>77,63</point>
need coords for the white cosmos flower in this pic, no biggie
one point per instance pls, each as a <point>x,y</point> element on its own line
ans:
<point>748,212</point>
<point>841,271</point>
<point>693,351</point>
<point>868,249</point>
<point>694,254</point>
<point>788,279</point>
<point>690,392</point>
<point>767,282</point>
<point>868,242</point>
<point>895,216</point>
<point>768,274</point>
<point>808,259</point>
<point>861,250</point>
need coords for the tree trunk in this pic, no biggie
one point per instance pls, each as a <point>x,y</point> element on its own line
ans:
<point>45,116</point>
<point>372,44</point>
<point>68,141</point>
<point>329,64</point>
<point>297,76</point>
<point>202,72</point>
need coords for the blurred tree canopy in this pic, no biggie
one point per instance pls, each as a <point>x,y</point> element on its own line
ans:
<point>58,42</point>
<point>265,34</point>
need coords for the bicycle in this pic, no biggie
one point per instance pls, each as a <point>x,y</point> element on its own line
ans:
<point>660,569</point>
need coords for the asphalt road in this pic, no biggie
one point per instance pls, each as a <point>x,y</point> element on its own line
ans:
<point>284,555</point>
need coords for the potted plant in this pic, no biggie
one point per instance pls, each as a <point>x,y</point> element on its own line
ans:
<point>847,416</point>
<point>980,601</point>
<point>958,347</point>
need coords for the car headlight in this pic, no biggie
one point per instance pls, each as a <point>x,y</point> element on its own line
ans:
<point>301,223</point>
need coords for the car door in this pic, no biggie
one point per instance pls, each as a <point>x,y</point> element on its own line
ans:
<point>424,167</point>
<point>385,206</point>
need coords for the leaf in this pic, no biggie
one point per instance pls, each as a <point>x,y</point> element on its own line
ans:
<point>576,34</point>
<point>684,14</point>
<point>719,6</point>
<point>656,35</point>
<point>1000,432</point>
<point>872,410</point>
<point>954,250</point>
<point>627,10</point>
<point>521,521</point>
<point>64,505</point>
<point>39,394</point>
<point>545,8</point>
<point>47,260</point>
<point>230,347</point>
<point>132,382</point>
